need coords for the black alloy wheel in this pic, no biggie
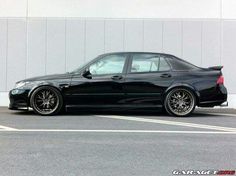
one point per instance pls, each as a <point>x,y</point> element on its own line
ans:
<point>180,102</point>
<point>46,100</point>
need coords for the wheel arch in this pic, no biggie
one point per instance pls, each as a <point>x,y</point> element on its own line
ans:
<point>43,85</point>
<point>186,86</point>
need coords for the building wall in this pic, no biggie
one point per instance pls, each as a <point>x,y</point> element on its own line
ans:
<point>114,8</point>
<point>119,9</point>
<point>39,37</point>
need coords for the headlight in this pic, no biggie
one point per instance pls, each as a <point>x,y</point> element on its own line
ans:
<point>25,85</point>
<point>20,84</point>
<point>17,91</point>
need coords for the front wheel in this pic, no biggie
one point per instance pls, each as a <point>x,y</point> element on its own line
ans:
<point>46,100</point>
<point>180,102</point>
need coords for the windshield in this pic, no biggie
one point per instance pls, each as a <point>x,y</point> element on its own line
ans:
<point>77,70</point>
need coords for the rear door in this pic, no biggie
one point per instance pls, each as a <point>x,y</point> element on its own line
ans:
<point>147,78</point>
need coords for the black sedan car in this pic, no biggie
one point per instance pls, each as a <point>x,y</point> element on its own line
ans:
<point>124,80</point>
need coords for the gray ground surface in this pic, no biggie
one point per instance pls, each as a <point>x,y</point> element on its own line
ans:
<point>217,110</point>
<point>112,154</point>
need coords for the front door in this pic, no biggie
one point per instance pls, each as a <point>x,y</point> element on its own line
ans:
<point>103,86</point>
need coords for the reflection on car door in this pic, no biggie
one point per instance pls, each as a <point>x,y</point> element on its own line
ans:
<point>105,88</point>
<point>148,76</point>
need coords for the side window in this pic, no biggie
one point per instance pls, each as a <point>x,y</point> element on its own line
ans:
<point>144,63</point>
<point>112,64</point>
<point>148,63</point>
<point>163,65</point>
<point>180,65</point>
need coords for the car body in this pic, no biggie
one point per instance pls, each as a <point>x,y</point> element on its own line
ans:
<point>124,80</point>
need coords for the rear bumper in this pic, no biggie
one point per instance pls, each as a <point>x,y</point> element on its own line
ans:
<point>218,97</point>
<point>213,103</point>
<point>18,99</point>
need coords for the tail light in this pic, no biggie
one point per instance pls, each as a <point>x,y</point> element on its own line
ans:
<point>220,80</point>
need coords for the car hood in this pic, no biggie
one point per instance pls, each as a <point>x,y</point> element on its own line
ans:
<point>48,77</point>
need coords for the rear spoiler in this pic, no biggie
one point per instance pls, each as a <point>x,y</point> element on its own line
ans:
<point>216,68</point>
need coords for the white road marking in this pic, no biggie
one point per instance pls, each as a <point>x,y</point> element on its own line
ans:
<point>219,114</point>
<point>7,128</point>
<point>221,130</point>
<point>118,131</point>
<point>175,123</point>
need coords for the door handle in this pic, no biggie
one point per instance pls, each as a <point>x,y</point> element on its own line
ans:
<point>116,77</point>
<point>165,75</point>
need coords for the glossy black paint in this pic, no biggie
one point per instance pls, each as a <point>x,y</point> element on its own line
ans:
<point>133,90</point>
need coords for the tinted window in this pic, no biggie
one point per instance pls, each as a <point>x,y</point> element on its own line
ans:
<point>112,64</point>
<point>178,64</point>
<point>148,63</point>
<point>163,65</point>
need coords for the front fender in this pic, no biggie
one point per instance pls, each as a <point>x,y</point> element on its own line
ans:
<point>43,84</point>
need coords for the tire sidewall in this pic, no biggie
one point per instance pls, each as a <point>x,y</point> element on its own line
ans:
<point>58,94</point>
<point>167,106</point>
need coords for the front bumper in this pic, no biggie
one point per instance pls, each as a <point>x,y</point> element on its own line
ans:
<point>18,99</point>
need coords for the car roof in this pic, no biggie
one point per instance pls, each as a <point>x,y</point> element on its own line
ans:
<point>135,52</point>
<point>173,57</point>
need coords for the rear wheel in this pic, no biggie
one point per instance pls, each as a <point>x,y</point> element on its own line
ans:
<point>180,102</point>
<point>46,100</point>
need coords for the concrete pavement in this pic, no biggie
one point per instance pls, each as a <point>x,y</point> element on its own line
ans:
<point>115,143</point>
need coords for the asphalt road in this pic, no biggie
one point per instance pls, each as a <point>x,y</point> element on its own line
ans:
<point>115,144</point>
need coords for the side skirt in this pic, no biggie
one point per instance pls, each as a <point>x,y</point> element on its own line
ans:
<point>111,107</point>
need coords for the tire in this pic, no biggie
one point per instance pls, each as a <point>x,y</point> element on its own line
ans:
<point>46,101</point>
<point>180,102</point>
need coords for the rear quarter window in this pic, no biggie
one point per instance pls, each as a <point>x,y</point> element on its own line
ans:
<point>181,65</point>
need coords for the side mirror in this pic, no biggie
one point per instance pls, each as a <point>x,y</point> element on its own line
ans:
<point>87,74</point>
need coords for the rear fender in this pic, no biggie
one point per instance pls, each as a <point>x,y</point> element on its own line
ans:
<point>182,85</point>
